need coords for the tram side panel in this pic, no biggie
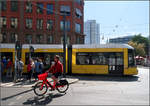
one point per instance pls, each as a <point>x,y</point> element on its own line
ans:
<point>87,68</point>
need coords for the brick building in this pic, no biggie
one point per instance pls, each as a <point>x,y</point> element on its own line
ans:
<point>41,22</point>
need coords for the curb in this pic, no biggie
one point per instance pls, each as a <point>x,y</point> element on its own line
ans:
<point>27,84</point>
<point>75,81</point>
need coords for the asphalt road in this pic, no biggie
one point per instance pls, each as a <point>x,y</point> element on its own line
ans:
<point>89,90</point>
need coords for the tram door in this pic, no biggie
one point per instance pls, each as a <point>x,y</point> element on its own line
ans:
<point>115,61</point>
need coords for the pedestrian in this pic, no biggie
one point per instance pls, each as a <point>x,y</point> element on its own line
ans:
<point>36,68</point>
<point>1,70</point>
<point>20,68</point>
<point>33,67</point>
<point>9,68</point>
<point>4,61</point>
<point>41,66</point>
<point>29,70</point>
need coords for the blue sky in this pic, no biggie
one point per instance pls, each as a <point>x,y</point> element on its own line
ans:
<point>119,18</point>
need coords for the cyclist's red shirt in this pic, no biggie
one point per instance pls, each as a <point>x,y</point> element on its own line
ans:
<point>57,67</point>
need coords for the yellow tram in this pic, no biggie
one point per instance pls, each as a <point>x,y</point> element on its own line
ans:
<point>81,59</point>
<point>103,59</point>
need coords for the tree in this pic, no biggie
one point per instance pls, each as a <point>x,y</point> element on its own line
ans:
<point>142,40</point>
<point>139,48</point>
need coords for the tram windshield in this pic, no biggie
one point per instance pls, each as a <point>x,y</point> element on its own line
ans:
<point>131,60</point>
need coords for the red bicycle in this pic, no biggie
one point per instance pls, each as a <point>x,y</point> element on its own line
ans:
<point>41,87</point>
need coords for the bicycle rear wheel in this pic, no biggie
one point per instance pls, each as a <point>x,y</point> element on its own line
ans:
<point>39,90</point>
<point>62,88</point>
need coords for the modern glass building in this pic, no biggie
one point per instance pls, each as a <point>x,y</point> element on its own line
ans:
<point>124,39</point>
<point>92,32</point>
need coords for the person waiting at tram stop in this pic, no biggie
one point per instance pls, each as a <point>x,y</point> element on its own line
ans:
<point>30,69</point>
<point>56,69</point>
<point>4,64</point>
<point>20,66</point>
<point>38,67</point>
<point>9,67</point>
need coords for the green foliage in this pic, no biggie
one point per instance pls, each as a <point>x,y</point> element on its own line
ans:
<point>139,48</point>
<point>142,40</point>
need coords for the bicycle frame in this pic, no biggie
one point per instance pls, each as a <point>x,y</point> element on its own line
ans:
<point>50,85</point>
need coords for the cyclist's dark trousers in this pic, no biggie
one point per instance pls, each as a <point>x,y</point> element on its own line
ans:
<point>57,74</point>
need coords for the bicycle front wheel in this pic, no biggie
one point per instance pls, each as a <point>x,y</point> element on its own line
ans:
<point>39,90</point>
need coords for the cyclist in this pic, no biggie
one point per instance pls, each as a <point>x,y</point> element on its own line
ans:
<point>56,69</point>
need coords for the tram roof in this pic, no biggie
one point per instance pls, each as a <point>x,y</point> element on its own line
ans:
<point>102,46</point>
<point>5,45</point>
<point>36,46</point>
<point>43,46</point>
<point>46,46</point>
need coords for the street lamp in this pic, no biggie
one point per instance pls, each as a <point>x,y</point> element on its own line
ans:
<point>64,43</point>
<point>30,49</point>
<point>15,70</point>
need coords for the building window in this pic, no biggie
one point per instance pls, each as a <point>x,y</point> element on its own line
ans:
<point>50,9</point>
<point>14,6</point>
<point>77,28</point>
<point>13,37</point>
<point>39,8</point>
<point>28,38</point>
<point>67,25</point>
<point>49,39</point>
<point>78,1</point>
<point>3,37</point>
<point>29,23</point>
<point>39,24</point>
<point>67,40</point>
<point>28,7</point>
<point>78,13</point>
<point>39,39</point>
<point>65,9</point>
<point>14,22</point>
<point>78,40</point>
<point>49,24</point>
<point>3,22</point>
<point>3,5</point>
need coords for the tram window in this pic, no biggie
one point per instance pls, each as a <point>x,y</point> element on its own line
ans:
<point>91,59</point>
<point>98,58</point>
<point>46,57</point>
<point>112,60</point>
<point>82,58</point>
<point>7,55</point>
<point>27,58</point>
<point>119,57</point>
